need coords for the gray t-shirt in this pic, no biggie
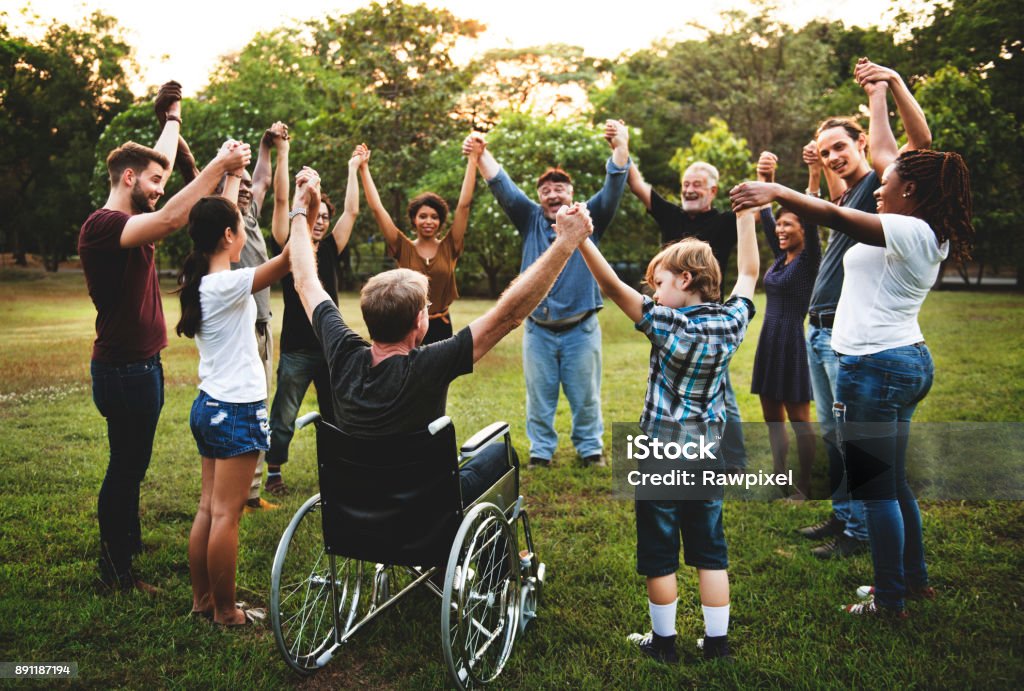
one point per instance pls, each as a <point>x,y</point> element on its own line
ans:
<point>829,284</point>
<point>400,395</point>
<point>253,254</point>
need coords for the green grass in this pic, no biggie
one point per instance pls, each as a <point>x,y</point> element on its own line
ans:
<point>786,629</point>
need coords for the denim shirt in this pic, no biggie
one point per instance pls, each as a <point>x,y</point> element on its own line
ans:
<point>575,291</point>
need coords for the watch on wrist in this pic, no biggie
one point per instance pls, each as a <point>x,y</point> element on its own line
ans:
<point>298,211</point>
<point>175,118</point>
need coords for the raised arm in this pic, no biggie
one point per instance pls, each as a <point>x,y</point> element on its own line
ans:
<point>603,205</point>
<point>516,205</point>
<point>233,178</point>
<point>460,219</point>
<point>572,225</point>
<point>861,226</point>
<point>748,261</point>
<point>168,113</point>
<point>142,229</point>
<point>343,228</point>
<point>881,140</point>
<point>638,186</point>
<point>919,136</point>
<point>629,300</point>
<point>282,178</point>
<point>486,162</point>
<point>384,221</point>
<point>185,162</point>
<point>303,261</point>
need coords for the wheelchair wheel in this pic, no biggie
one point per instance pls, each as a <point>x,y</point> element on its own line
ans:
<point>306,587</point>
<point>480,605</point>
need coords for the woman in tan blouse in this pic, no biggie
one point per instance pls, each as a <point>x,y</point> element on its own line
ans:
<point>430,253</point>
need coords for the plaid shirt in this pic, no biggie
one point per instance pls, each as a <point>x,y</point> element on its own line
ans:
<point>690,349</point>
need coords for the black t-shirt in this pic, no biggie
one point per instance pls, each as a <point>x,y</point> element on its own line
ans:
<point>296,331</point>
<point>402,394</point>
<point>714,227</point>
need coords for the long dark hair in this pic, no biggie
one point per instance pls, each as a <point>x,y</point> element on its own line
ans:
<point>944,190</point>
<point>206,223</point>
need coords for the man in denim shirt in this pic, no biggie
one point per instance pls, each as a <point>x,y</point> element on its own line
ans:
<point>562,339</point>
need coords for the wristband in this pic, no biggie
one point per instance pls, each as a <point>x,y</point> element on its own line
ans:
<point>300,211</point>
<point>175,118</point>
<point>813,193</point>
<point>235,175</point>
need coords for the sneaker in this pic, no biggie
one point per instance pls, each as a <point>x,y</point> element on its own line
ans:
<point>869,608</point>
<point>594,461</point>
<point>537,462</point>
<point>830,527</point>
<point>715,647</point>
<point>925,593</point>
<point>276,486</point>
<point>260,504</point>
<point>661,648</point>
<point>841,546</point>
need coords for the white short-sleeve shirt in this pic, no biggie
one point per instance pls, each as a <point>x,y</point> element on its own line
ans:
<point>230,368</point>
<point>884,287</point>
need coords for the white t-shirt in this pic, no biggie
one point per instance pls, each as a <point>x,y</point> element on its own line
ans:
<point>230,368</point>
<point>884,287</point>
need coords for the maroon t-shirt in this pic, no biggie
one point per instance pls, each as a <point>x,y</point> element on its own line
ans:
<point>122,284</point>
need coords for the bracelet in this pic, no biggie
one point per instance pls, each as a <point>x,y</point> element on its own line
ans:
<point>297,212</point>
<point>813,193</point>
<point>235,175</point>
<point>174,118</point>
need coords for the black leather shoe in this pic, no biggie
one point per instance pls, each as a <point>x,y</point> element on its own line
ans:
<point>841,546</point>
<point>830,527</point>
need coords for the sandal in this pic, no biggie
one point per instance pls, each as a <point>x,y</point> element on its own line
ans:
<point>276,487</point>
<point>252,616</point>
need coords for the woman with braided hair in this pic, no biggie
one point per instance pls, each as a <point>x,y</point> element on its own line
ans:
<point>885,369</point>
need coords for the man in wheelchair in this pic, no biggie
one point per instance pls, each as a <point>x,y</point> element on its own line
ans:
<point>393,385</point>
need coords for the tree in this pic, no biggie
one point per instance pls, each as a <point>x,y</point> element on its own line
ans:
<point>963,118</point>
<point>58,95</point>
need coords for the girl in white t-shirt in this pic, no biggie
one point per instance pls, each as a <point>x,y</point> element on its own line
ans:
<point>885,369</point>
<point>229,416</point>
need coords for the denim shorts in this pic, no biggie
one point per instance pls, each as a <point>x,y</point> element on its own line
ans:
<point>223,430</point>
<point>659,525</point>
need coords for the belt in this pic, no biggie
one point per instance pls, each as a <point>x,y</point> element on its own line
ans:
<point>563,325</point>
<point>822,321</point>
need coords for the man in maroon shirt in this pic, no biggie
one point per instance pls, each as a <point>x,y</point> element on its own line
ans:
<point>116,245</point>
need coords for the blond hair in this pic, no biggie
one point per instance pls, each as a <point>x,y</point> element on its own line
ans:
<point>391,302</point>
<point>694,256</point>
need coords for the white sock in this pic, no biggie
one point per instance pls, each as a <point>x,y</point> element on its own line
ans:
<point>716,620</point>
<point>663,618</point>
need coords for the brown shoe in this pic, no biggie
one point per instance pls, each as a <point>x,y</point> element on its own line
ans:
<point>276,487</point>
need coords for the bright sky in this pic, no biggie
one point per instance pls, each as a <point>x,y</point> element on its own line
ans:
<point>183,39</point>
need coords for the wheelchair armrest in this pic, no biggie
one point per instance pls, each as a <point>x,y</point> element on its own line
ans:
<point>482,438</point>
<point>306,419</point>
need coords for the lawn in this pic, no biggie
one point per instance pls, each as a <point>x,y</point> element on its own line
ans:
<point>786,628</point>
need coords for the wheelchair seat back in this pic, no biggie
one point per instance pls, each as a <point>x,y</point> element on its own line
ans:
<point>391,500</point>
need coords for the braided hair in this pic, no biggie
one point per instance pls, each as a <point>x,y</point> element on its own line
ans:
<point>944,190</point>
<point>206,223</point>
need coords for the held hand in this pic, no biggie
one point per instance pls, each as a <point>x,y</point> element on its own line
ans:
<point>752,195</point>
<point>168,101</point>
<point>616,133</point>
<point>574,223</point>
<point>234,155</point>
<point>275,134</point>
<point>811,156</point>
<point>360,155</point>
<point>474,145</point>
<point>766,165</point>
<point>867,71</point>
<point>306,180</point>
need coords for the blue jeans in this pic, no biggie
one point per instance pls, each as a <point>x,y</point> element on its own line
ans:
<point>295,370</point>
<point>571,359</point>
<point>479,473</point>
<point>881,391</point>
<point>130,397</point>
<point>824,368</point>
<point>734,452</point>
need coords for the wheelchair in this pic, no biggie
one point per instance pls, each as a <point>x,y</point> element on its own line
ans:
<point>390,518</point>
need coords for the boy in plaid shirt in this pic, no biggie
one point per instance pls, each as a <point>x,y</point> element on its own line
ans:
<point>692,336</point>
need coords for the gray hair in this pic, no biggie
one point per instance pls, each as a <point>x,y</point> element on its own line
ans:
<point>704,167</point>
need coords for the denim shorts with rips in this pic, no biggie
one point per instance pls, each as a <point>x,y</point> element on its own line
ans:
<point>661,523</point>
<point>224,430</point>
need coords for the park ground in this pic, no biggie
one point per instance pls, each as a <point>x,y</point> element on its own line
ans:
<point>786,628</point>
